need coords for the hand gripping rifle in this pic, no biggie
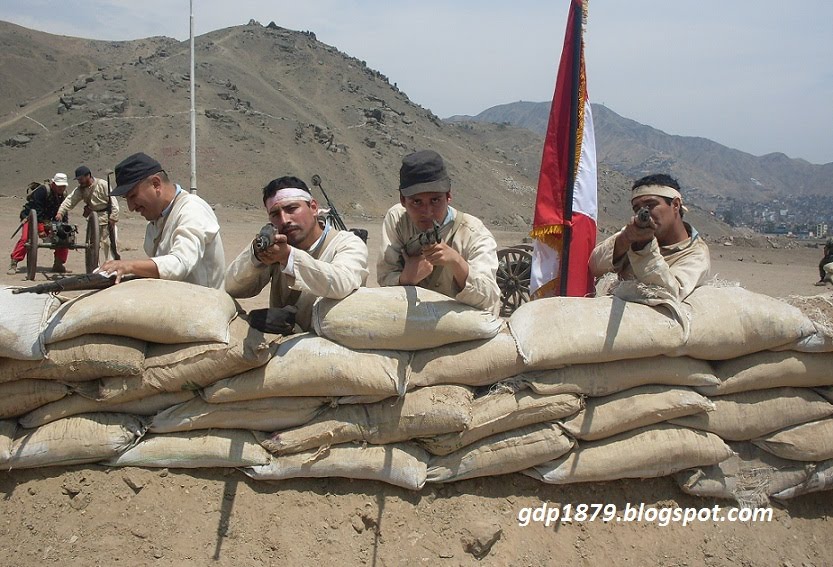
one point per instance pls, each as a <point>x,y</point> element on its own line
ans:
<point>429,237</point>
<point>111,230</point>
<point>75,283</point>
<point>643,217</point>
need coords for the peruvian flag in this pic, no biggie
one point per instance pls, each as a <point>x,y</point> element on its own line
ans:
<point>566,205</point>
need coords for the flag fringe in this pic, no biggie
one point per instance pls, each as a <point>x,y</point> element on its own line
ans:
<point>541,232</point>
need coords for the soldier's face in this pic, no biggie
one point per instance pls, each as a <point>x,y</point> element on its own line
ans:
<point>298,220</point>
<point>425,208</point>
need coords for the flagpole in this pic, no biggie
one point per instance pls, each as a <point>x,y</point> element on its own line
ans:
<point>193,112</point>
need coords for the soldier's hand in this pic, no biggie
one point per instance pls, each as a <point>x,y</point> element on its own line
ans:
<point>416,269</point>
<point>59,217</point>
<point>277,253</point>
<point>441,254</point>
<point>638,236</point>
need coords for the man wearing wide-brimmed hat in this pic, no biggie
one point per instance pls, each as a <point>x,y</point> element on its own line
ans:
<point>662,250</point>
<point>182,238</point>
<point>462,265</point>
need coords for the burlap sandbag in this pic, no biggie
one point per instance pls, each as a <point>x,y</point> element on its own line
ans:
<point>473,363</point>
<point>650,452</point>
<point>556,331</point>
<point>268,414</point>
<point>749,415</point>
<point>811,441</point>
<point>17,398</point>
<point>749,476</point>
<point>825,392</point>
<point>400,318</point>
<point>190,366</point>
<point>632,409</point>
<point>83,358</point>
<point>77,404</point>
<point>728,322</point>
<point>194,449</point>
<point>504,453</point>
<point>819,309</point>
<point>504,411</point>
<point>821,478</point>
<point>400,465</point>
<point>8,427</point>
<point>607,378</point>
<point>422,412</point>
<point>159,311</point>
<point>306,365</point>
<point>24,318</point>
<point>763,370</point>
<point>87,438</point>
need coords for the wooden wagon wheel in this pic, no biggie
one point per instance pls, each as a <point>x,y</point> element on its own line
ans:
<point>32,246</point>
<point>514,268</point>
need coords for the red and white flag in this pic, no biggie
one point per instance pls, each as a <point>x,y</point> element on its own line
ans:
<point>566,205</point>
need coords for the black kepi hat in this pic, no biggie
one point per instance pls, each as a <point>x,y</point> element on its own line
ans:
<point>81,171</point>
<point>423,172</point>
<point>133,169</point>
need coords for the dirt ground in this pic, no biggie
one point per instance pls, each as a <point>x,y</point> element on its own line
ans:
<point>91,515</point>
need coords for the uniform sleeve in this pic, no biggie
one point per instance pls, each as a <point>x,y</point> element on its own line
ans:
<point>481,289</point>
<point>193,230</point>
<point>336,279</point>
<point>390,262</point>
<point>688,271</point>
<point>246,276</point>
<point>70,201</point>
<point>601,259</point>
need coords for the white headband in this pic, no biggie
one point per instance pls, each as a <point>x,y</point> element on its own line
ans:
<point>659,191</point>
<point>288,194</point>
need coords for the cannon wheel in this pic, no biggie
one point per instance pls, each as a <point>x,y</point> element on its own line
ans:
<point>514,268</point>
<point>32,246</point>
<point>92,248</point>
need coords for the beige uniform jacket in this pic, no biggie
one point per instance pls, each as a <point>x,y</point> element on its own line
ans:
<point>678,268</point>
<point>95,196</point>
<point>338,270</point>
<point>185,244</point>
<point>469,237</point>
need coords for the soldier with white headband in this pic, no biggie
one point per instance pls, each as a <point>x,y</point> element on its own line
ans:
<point>306,259</point>
<point>662,249</point>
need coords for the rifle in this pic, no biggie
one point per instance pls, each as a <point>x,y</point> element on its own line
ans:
<point>18,228</point>
<point>337,221</point>
<point>429,237</point>
<point>75,283</point>
<point>643,217</point>
<point>111,230</point>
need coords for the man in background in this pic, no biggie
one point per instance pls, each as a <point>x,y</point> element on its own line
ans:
<point>662,249</point>
<point>182,239</point>
<point>45,200</point>
<point>462,265</point>
<point>826,264</point>
<point>97,200</point>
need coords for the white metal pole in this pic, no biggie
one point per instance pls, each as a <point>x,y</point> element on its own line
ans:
<point>193,111</point>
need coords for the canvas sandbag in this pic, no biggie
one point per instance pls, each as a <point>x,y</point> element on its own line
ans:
<point>473,363</point>
<point>821,478</point>
<point>766,369</point>
<point>645,405</point>
<point>748,415</point>
<point>811,441</point>
<point>399,464</point>
<point>728,322</point>
<point>21,396</point>
<point>825,392</point>
<point>8,428</point>
<point>87,438</point>
<point>194,449</point>
<point>504,453</point>
<point>819,309</point>
<point>649,452</point>
<point>78,404</point>
<point>25,316</point>
<point>501,411</point>
<point>268,414</point>
<point>419,413</point>
<point>153,310</point>
<point>605,378</point>
<point>400,318</point>
<point>555,331</point>
<point>749,476</point>
<point>307,365</point>
<point>83,358</point>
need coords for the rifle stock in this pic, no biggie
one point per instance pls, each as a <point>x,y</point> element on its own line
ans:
<point>75,283</point>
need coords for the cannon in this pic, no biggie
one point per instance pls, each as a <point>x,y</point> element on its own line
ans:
<point>61,235</point>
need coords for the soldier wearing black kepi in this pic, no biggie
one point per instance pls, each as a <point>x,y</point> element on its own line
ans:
<point>45,201</point>
<point>97,200</point>
<point>826,264</point>
<point>462,264</point>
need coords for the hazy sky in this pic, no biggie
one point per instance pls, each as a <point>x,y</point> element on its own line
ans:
<point>756,75</point>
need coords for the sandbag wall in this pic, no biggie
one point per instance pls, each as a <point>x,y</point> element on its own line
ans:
<point>405,386</point>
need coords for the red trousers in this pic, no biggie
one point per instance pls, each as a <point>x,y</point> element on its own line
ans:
<point>19,252</point>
